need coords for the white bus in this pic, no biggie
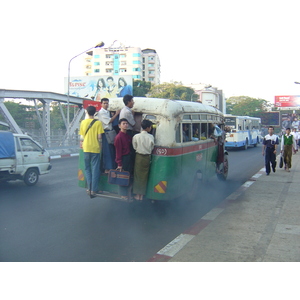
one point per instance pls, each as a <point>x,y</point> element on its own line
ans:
<point>244,131</point>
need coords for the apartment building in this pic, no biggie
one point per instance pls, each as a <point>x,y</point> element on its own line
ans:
<point>120,60</point>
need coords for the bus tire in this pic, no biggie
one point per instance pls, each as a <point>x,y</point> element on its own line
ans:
<point>31,177</point>
<point>223,173</point>
<point>246,145</point>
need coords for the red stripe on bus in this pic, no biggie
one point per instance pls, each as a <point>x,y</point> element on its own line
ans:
<point>161,151</point>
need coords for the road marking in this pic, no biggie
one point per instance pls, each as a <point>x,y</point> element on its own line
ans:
<point>176,245</point>
<point>166,253</point>
<point>211,215</point>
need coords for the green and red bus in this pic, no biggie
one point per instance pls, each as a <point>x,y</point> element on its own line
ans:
<point>186,150</point>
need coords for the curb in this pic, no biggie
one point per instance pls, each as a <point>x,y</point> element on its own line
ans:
<point>172,248</point>
<point>63,155</point>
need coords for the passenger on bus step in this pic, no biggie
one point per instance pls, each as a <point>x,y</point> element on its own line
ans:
<point>108,150</point>
<point>127,113</point>
<point>123,146</point>
<point>143,143</point>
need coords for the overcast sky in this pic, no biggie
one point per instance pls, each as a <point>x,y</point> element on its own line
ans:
<point>242,47</point>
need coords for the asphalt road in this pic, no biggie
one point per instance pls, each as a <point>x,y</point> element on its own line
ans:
<point>56,221</point>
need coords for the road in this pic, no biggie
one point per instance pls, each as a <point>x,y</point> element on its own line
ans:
<point>56,221</point>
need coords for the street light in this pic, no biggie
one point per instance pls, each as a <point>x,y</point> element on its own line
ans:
<point>101,44</point>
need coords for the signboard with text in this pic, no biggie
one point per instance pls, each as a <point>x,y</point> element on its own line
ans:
<point>87,103</point>
<point>98,87</point>
<point>287,101</point>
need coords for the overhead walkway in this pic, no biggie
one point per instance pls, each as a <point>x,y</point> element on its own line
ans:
<point>45,98</point>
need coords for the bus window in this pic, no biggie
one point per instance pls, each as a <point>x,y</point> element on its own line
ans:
<point>203,131</point>
<point>211,128</point>
<point>196,132</point>
<point>138,120</point>
<point>186,130</point>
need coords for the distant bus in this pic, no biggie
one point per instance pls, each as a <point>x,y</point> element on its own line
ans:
<point>186,150</point>
<point>244,131</point>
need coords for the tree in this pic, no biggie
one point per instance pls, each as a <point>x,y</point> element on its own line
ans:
<point>141,88</point>
<point>24,115</point>
<point>174,91</point>
<point>246,106</point>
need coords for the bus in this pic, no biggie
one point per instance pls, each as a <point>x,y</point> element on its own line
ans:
<point>180,160</point>
<point>242,131</point>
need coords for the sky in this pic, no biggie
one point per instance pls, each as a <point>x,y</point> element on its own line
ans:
<point>248,48</point>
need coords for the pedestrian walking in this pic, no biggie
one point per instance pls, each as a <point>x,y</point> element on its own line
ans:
<point>270,143</point>
<point>296,137</point>
<point>123,145</point>
<point>288,146</point>
<point>143,143</point>
<point>90,131</point>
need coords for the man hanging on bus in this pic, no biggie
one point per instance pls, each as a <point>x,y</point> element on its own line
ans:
<point>123,145</point>
<point>143,143</point>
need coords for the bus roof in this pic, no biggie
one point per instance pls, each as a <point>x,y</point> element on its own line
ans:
<point>241,117</point>
<point>163,107</point>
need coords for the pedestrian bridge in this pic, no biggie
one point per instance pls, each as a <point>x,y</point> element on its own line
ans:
<point>45,98</point>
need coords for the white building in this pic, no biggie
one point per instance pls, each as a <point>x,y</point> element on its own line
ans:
<point>118,60</point>
<point>210,95</point>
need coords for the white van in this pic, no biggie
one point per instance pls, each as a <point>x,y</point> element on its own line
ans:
<point>22,158</point>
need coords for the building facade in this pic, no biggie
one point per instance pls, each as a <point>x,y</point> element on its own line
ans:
<point>120,60</point>
<point>210,95</point>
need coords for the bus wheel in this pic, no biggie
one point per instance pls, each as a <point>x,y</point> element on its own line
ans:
<point>194,191</point>
<point>223,172</point>
<point>246,145</point>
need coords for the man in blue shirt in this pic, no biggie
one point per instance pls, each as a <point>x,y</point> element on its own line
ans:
<point>270,143</point>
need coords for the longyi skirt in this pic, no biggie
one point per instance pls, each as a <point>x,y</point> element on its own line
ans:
<point>141,172</point>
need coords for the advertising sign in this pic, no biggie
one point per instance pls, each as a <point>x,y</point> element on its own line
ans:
<point>287,101</point>
<point>87,103</point>
<point>98,87</point>
<point>209,98</point>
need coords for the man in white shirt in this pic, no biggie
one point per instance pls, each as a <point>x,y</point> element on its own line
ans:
<point>108,150</point>
<point>143,143</point>
<point>296,137</point>
<point>127,113</point>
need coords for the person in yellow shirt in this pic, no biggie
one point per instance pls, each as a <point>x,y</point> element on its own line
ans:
<point>91,131</point>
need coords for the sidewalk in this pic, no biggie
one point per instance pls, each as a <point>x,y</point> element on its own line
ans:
<point>258,223</point>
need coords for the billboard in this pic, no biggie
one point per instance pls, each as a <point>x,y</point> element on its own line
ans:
<point>87,103</point>
<point>98,87</point>
<point>287,101</point>
<point>269,118</point>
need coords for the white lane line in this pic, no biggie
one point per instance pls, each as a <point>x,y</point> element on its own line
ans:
<point>176,245</point>
<point>211,215</point>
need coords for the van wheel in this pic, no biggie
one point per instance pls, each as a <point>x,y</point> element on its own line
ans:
<point>31,177</point>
